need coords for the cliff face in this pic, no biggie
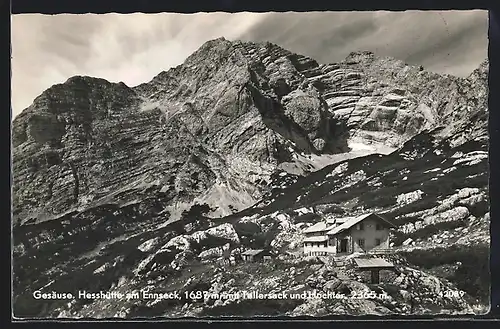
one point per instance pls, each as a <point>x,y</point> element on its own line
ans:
<point>126,177</point>
<point>227,117</point>
<point>216,118</point>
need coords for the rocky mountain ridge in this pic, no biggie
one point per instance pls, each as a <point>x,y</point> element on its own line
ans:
<point>243,146</point>
<point>230,115</point>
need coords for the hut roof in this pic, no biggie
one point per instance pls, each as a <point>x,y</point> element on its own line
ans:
<point>351,221</point>
<point>252,252</point>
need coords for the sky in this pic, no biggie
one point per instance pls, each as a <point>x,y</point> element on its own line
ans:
<point>133,48</point>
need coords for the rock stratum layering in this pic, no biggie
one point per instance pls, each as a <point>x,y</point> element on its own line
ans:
<point>244,145</point>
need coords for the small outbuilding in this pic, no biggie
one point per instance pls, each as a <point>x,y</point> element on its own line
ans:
<point>374,265</point>
<point>252,255</point>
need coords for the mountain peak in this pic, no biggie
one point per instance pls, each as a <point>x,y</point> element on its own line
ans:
<point>77,79</point>
<point>361,55</point>
<point>482,69</point>
<point>224,47</point>
<point>82,78</point>
<point>209,49</point>
<point>219,39</point>
<point>215,42</point>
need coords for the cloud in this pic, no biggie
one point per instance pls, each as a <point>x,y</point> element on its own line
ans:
<point>451,42</point>
<point>134,48</point>
<point>131,48</point>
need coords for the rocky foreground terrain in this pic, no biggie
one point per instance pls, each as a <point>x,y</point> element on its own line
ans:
<point>163,185</point>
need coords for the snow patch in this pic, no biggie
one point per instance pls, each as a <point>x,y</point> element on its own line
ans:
<point>359,146</point>
<point>374,182</point>
<point>471,158</point>
<point>149,105</point>
<point>365,147</point>
<point>354,178</point>
<point>409,156</point>
<point>179,242</point>
<point>339,170</point>
<point>225,230</point>
<point>409,197</point>
<point>448,170</point>
<point>404,172</point>
<point>148,245</point>
<point>303,211</point>
<point>249,218</point>
<point>101,269</point>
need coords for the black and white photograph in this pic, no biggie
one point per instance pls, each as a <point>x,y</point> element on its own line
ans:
<point>249,165</point>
